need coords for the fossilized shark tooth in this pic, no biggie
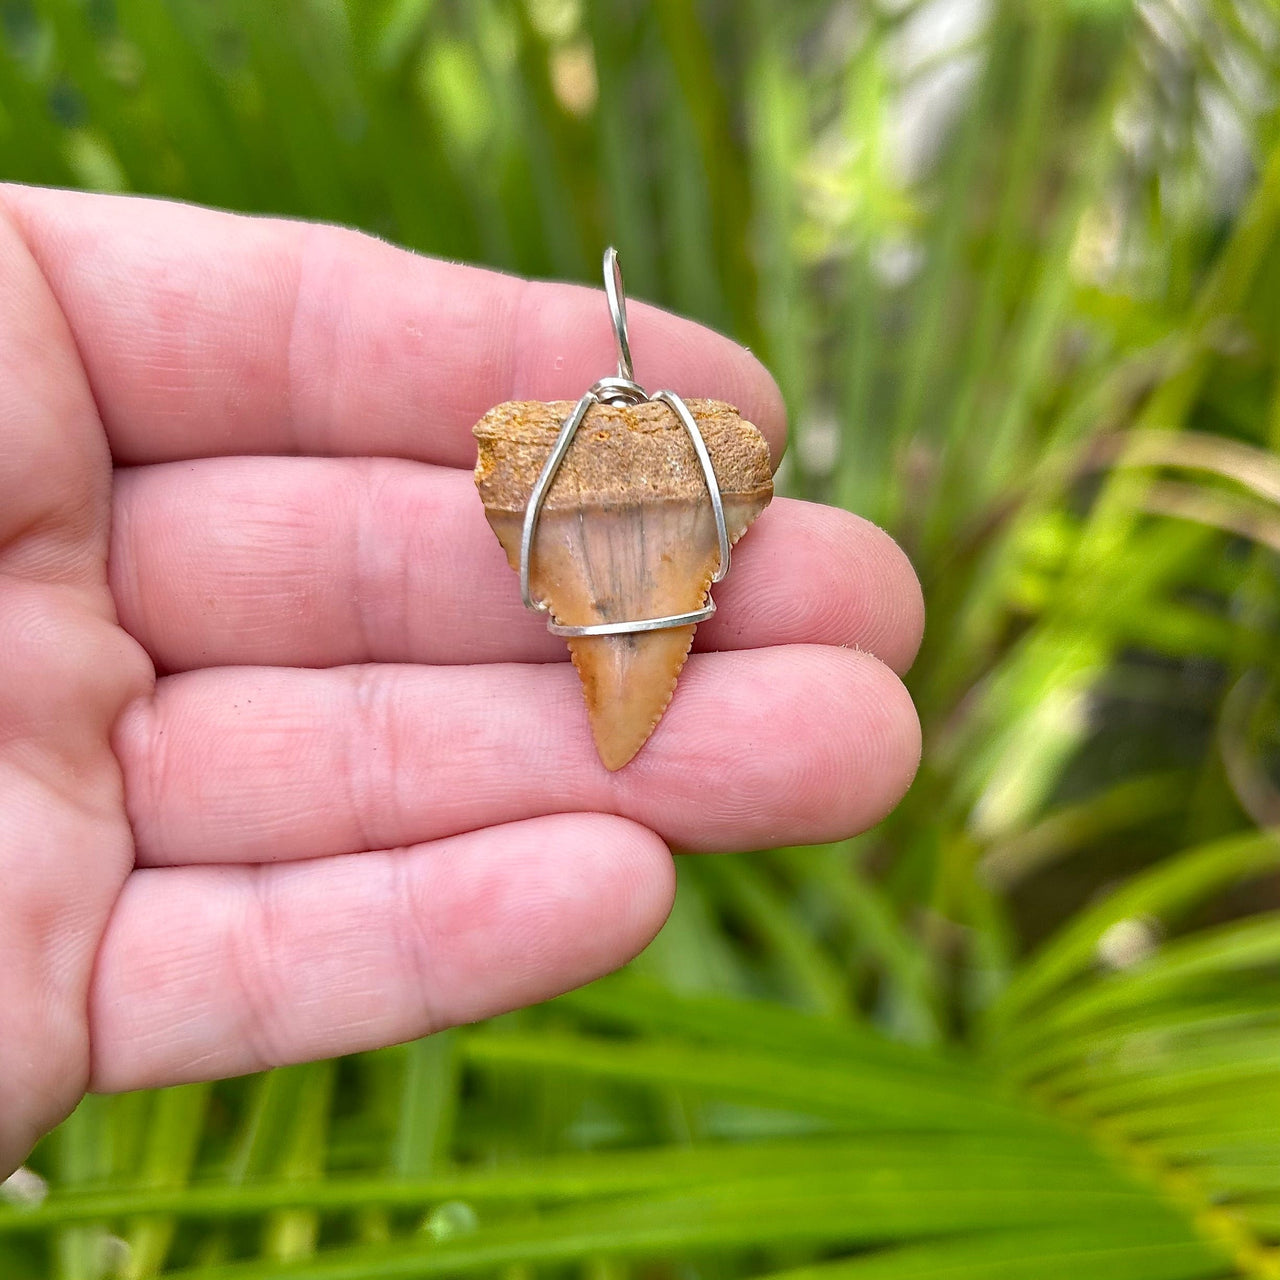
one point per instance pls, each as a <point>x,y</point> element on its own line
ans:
<point>626,532</point>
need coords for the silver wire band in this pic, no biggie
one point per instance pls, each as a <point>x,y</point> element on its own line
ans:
<point>622,389</point>
<point>539,495</point>
<point>644,624</point>
<point>708,474</point>
<point>533,512</point>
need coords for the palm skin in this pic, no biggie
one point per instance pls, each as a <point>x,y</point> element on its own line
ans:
<point>285,770</point>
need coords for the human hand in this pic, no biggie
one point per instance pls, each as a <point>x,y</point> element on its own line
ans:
<point>286,771</point>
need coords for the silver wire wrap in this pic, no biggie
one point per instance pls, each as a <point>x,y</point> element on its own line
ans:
<point>622,389</point>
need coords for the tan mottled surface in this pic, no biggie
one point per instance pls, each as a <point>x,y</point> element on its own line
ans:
<point>626,532</point>
<point>621,453</point>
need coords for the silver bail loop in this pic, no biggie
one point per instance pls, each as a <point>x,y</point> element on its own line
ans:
<point>618,312</point>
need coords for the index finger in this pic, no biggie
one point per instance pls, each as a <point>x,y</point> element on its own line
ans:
<point>206,333</point>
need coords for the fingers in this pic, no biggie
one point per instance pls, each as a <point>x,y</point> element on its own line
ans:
<point>763,747</point>
<point>326,561</point>
<point>207,333</point>
<point>215,971</point>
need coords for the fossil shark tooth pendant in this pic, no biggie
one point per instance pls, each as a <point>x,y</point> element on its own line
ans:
<point>619,512</point>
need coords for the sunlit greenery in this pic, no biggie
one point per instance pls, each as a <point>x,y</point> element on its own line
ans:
<point>1016,265</point>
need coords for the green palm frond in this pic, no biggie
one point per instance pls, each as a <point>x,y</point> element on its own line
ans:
<point>1016,267</point>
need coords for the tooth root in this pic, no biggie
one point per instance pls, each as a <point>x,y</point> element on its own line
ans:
<point>626,532</point>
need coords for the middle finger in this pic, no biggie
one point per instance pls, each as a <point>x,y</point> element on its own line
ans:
<point>321,562</point>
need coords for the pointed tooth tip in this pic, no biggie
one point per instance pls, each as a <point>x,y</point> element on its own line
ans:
<point>628,683</point>
<point>619,759</point>
<point>618,742</point>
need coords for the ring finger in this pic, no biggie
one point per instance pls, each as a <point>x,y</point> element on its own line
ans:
<point>773,746</point>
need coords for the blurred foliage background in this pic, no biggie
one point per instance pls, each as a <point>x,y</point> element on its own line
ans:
<point>1015,266</point>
